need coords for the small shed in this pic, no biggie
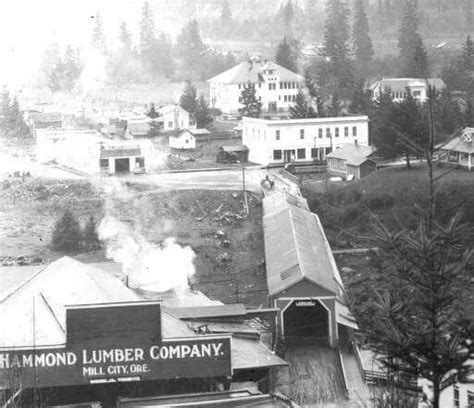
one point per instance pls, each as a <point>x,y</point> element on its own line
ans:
<point>233,154</point>
<point>351,161</point>
<point>183,140</point>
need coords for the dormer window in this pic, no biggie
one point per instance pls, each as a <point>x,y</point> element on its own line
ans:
<point>467,138</point>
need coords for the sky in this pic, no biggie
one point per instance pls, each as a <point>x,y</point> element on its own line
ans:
<point>27,27</point>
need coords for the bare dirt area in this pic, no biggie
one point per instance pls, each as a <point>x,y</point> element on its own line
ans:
<point>228,243</point>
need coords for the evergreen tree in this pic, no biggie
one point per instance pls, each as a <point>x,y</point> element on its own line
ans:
<point>203,113</point>
<point>336,73</point>
<point>226,21</point>
<point>361,100</point>
<point>71,69</point>
<point>334,109</point>
<point>447,112</point>
<point>467,66</point>
<point>98,36</point>
<point>5,107</point>
<point>252,106</point>
<point>288,17</point>
<point>191,48</point>
<point>125,38</point>
<point>152,113</point>
<point>469,114</point>
<point>360,35</point>
<point>285,56</point>
<point>467,7</point>
<point>409,39</point>
<point>67,234</point>
<point>188,100</point>
<point>147,38</point>
<point>89,235</point>
<point>418,65</point>
<point>309,84</point>
<point>302,108</point>
<point>416,314</point>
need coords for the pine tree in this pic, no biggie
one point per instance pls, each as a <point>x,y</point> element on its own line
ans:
<point>288,17</point>
<point>71,69</point>
<point>203,113</point>
<point>302,107</point>
<point>285,56</point>
<point>360,35</point>
<point>415,315</point>
<point>89,235</point>
<point>98,36</point>
<point>361,100</point>
<point>252,107</point>
<point>125,38</point>
<point>466,64</point>
<point>418,66</point>
<point>188,100</point>
<point>469,114</point>
<point>147,38</point>
<point>337,73</point>
<point>334,109</point>
<point>409,39</point>
<point>5,107</point>
<point>191,48</point>
<point>67,234</point>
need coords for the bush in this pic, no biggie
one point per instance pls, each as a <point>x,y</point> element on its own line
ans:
<point>67,234</point>
<point>89,235</point>
<point>380,201</point>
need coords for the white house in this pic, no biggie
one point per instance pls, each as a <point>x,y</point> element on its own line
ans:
<point>183,140</point>
<point>398,87</point>
<point>459,150</point>
<point>275,85</point>
<point>174,117</point>
<point>283,141</point>
<point>87,151</point>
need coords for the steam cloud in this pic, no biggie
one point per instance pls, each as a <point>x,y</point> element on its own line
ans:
<point>151,267</point>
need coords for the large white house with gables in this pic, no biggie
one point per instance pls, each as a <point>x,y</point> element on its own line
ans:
<point>275,86</point>
<point>398,88</point>
<point>299,140</point>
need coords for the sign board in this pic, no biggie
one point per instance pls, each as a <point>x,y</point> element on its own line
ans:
<point>305,303</point>
<point>110,351</point>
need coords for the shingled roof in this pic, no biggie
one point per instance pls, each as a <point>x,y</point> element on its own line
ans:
<point>352,154</point>
<point>252,71</point>
<point>463,142</point>
<point>400,84</point>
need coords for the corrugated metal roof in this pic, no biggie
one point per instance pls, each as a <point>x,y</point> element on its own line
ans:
<point>296,249</point>
<point>252,71</point>
<point>353,154</point>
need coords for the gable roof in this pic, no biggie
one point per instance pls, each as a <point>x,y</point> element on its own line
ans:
<point>163,110</point>
<point>296,249</point>
<point>198,132</point>
<point>462,142</point>
<point>399,84</point>
<point>352,154</point>
<point>252,71</point>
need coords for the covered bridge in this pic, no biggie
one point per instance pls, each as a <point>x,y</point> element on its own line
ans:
<point>302,277</point>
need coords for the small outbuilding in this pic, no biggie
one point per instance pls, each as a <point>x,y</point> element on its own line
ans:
<point>351,161</point>
<point>232,154</point>
<point>183,140</point>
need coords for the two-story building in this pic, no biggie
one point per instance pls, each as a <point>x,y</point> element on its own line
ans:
<point>275,86</point>
<point>174,117</point>
<point>398,88</point>
<point>299,140</point>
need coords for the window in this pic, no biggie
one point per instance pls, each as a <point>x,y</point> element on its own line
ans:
<point>281,85</point>
<point>470,399</point>
<point>285,98</point>
<point>170,124</point>
<point>191,122</point>
<point>328,150</point>
<point>328,132</point>
<point>456,396</point>
<point>277,135</point>
<point>140,161</point>
<point>314,152</point>
<point>346,131</point>
<point>294,98</point>
<point>104,163</point>
<point>277,155</point>
<point>354,131</point>
<point>336,132</point>
<point>187,141</point>
<point>416,93</point>
<point>301,153</point>
<point>302,134</point>
<point>320,133</point>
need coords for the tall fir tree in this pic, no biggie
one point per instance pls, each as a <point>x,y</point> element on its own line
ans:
<point>302,108</point>
<point>285,55</point>
<point>125,38</point>
<point>98,35</point>
<point>252,106</point>
<point>147,37</point>
<point>363,48</point>
<point>337,73</point>
<point>203,113</point>
<point>5,103</point>
<point>191,49</point>
<point>188,100</point>
<point>409,38</point>
<point>72,68</point>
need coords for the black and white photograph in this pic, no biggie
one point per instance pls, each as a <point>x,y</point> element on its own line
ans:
<point>237,203</point>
